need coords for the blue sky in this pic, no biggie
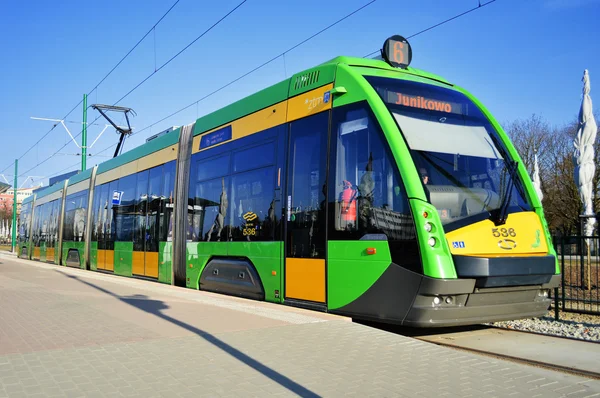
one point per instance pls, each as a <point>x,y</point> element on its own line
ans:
<point>518,57</point>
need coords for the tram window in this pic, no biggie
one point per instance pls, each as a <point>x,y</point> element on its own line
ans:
<point>75,216</point>
<point>367,196</point>
<point>125,211</point>
<point>254,157</point>
<point>39,215</point>
<point>110,228</point>
<point>53,230</point>
<point>36,221</point>
<point>253,205</point>
<point>140,208</point>
<point>96,214</point>
<point>168,196</point>
<point>153,208</point>
<point>212,168</point>
<point>24,219</point>
<point>208,222</point>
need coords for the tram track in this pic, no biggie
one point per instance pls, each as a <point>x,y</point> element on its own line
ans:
<point>557,353</point>
<point>526,361</point>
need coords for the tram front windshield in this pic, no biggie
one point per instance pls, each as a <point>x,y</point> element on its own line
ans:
<point>464,167</point>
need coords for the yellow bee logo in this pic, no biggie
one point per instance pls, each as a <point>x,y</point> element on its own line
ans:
<point>250,216</point>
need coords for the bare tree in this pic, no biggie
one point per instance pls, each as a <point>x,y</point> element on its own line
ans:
<point>554,147</point>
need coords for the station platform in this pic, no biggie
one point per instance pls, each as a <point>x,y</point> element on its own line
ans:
<point>69,332</point>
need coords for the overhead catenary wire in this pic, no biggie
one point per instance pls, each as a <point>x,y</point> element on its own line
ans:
<point>251,71</point>
<point>153,28</point>
<point>441,23</point>
<point>292,48</point>
<point>143,81</point>
<point>156,70</point>
<point>99,83</point>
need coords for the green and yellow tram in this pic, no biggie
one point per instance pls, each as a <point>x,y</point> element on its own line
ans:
<point>362,187</point>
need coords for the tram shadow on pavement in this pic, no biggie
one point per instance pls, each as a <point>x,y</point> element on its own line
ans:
<point>418,332</point>
<point>155,307</point>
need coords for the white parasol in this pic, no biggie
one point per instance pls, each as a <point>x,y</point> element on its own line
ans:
<point>536,179</point>
<point>584,154</point>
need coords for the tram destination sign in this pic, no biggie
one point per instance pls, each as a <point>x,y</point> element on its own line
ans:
<point>423,102</point>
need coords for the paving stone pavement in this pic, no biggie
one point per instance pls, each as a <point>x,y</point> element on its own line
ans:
<point>67,332</point>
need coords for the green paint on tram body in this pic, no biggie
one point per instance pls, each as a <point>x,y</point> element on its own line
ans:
<point>165,261</point>
<point>266,258</point>
<point>79,246</point>
<point>94,255</point>
<point>351,271</point>
<point>123,258</point>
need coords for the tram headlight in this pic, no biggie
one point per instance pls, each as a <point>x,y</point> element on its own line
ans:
<point>432,241</point>
<point>428,227</point>
<point>437,300</point>
<point>543,293</point>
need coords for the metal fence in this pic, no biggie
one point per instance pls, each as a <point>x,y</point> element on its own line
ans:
<point>579,259</point>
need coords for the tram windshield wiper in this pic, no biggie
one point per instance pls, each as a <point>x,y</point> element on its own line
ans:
<point>502,212</point>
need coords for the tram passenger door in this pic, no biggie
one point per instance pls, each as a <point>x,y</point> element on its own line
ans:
<point>305,204</point>
<point>153,214</point>
<point>145,237</point>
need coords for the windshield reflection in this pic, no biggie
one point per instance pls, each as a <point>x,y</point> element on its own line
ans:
<point>461,161</point>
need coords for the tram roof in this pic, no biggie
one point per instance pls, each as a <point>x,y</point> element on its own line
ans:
<point>46,191</point>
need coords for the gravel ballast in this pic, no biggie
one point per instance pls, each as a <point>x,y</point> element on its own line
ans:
<point>573,325</point>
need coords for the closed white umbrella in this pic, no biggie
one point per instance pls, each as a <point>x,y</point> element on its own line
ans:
<point>585,167</point>
<point>536,178</point>
<point>584,154</point>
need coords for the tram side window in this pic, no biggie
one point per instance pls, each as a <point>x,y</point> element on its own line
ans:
<point>101,215</point>
<point>210,211</point>
<point>52,224</point>
<point>48,224</point>
<point>110,223</point>
<point>253,215</point>
<point>125,211</point>
<point>253,205</point>
<point>96,214</point>
<point>210,201</point>
<point>45,223</point>
<point>36,231</point>
<point>75,216</point>
<point>167,199</point>
<point>140,209</point>
<point>24,219</point>
<point>367,197</point>
<point>153,210</point>
<point>36,226</point>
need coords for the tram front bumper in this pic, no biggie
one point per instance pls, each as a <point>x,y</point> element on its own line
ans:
<point>441,303</point>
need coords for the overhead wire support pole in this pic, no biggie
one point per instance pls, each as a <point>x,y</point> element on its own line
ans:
<point>14,218</point>
<point>84,135</point>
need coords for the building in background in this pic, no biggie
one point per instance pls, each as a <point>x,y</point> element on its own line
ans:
<point>6,199</point>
